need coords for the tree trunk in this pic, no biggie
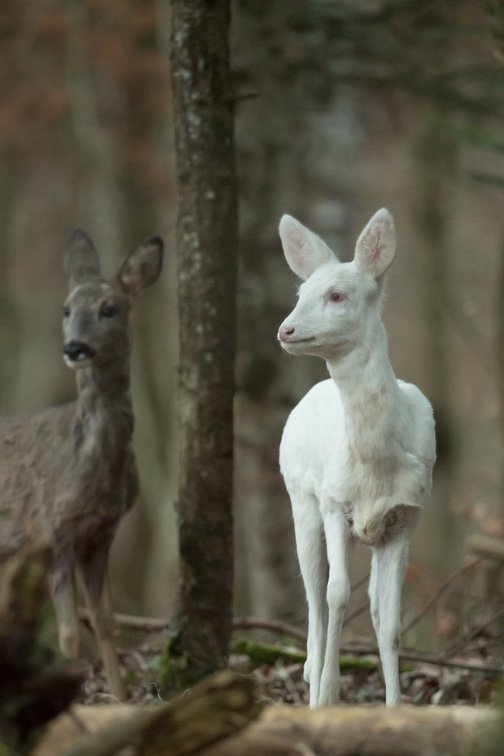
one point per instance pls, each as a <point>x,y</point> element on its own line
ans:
<point>207,240</point>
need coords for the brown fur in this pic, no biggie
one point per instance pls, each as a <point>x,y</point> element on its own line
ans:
<point>68,474</point>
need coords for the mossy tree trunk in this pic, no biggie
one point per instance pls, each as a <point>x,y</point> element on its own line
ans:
<point>207,247</point>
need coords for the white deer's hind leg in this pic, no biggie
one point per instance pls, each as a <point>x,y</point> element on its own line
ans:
<point>374,599</point>
<point>390,559</point>
<point>313,565</point>
<point>338,540</point>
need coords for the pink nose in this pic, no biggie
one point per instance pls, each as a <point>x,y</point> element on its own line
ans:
<point>285,331</point>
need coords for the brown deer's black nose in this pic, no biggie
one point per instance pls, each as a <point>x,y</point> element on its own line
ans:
<point>78,350</point>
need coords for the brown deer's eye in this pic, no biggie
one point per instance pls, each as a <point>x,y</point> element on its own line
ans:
<point>107,311</point>
<point>66,311</point>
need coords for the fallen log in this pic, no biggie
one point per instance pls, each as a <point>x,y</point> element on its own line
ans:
<point>212,710</point>
<point>374,731</point>
<point>216,717</point>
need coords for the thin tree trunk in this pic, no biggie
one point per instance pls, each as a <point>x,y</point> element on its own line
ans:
<point>207,239</point>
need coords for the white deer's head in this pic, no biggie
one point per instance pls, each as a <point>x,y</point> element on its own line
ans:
<point>337,301</point>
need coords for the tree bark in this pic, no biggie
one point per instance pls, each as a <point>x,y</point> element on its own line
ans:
<point>207,241</point>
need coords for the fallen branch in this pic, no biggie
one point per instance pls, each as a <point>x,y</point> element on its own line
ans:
<point>130,621</point>
<point>267,653</point>
<point>437,660</point>
<point>149,624</point>
<point>159,624</point>
<point>273,626</point>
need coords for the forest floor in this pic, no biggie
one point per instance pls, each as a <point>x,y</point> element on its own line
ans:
<point>468,627</point>
<point>455,615</point>
<point>467,679</point>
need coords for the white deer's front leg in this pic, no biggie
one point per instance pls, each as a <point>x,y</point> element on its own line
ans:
<point>313,564</point>
<point>389,562</point>
<point>338,541</point>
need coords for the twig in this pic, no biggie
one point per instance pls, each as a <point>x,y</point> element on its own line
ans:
<point>462,642</point>
<point>433,601</point>
<point>284,673</point>
<point>360,610</point>
<point>155,624</point>
<point>437,660</point>
<point>275,626</point>
<point>131,622</point>
<point>359,582</point>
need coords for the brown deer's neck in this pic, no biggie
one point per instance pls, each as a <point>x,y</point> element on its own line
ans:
<point>104,408</point>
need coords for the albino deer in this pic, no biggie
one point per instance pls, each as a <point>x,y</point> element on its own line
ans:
<point>357,452</point>
<point>67,474</point>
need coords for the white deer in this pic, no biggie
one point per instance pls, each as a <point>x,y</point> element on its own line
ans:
<point>357,452</point>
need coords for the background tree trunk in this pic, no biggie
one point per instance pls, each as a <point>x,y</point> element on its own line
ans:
<point>207,264</point>
<point>297,175</point>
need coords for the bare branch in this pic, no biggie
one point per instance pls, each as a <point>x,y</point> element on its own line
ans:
<point>442,590</point>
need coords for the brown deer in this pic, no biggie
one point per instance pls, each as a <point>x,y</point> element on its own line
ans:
<point>68,473</point>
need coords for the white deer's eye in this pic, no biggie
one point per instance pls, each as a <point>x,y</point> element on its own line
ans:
<point>336,296</point>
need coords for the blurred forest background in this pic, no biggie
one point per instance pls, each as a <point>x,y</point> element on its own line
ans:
<point>341,108</point>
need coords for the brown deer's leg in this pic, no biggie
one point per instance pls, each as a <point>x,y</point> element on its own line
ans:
<point>65,606</point>
<point>93,568</point>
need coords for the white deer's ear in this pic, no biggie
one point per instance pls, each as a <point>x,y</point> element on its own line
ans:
<point>303,250</point>
<point>376,246</point>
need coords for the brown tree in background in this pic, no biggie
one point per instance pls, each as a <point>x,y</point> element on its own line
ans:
<point>206,268</point>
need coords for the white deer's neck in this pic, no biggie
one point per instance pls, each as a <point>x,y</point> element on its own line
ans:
<point>370,395</point>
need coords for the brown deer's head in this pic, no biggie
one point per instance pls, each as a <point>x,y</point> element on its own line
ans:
<point>95,314</point>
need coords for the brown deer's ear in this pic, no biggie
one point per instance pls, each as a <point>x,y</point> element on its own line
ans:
<point>81,261</point>
<point>142,266</point>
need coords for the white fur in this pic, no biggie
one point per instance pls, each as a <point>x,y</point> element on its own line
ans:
<point>358,450</point>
